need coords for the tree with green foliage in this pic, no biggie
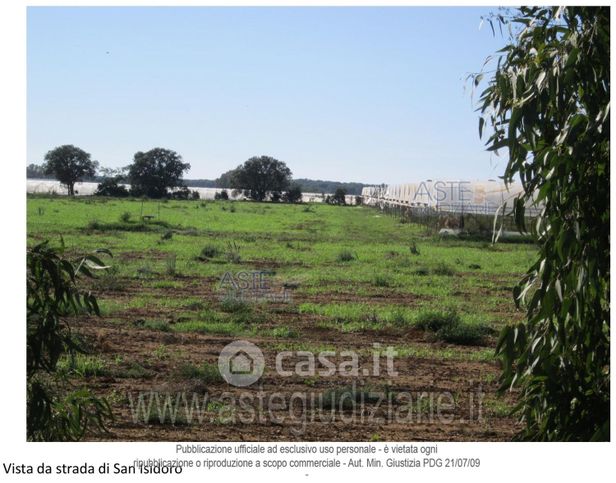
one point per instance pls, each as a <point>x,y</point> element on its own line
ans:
<point>183,193</point>
<point>225,179</point>
<point>223,195</point>
<point>69,164</point>
<point>155,172</point>
<point>548,104</point>
<point>338,198</point>
<point>293,194</point>
<point>111,187</point>
<point>34,171</point>
<point>55,411</point>
<point>111,184</point>
<point>261,175</point>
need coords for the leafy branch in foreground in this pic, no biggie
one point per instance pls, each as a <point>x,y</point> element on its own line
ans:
<point>54,412</point>
<point>548,103</point>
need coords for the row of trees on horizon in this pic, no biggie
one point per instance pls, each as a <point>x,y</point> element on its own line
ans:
<point>159,172</point>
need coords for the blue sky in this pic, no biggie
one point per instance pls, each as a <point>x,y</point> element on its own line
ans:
<point>351,94</point>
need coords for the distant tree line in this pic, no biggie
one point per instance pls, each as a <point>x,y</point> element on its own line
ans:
<point>119,176</point>
<point>202,183</point>
<point>158,173</point>
<point>36,171</point>
<point>319,186</point>
<point>305,185</point>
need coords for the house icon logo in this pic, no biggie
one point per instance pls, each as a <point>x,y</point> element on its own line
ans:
<point>241,363</point>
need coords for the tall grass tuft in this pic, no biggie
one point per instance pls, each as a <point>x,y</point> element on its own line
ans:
<point>345,256</point>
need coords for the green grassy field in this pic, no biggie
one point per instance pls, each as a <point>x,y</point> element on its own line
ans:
<point>352,276</point>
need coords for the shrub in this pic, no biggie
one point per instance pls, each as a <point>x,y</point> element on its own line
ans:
<point>209,251</point>
<point>464,333</point>
<point>111,187</point>
<point>93,225</point>
<point>449,327</point>
<point>125,217</point>
<point>232,254</point>
<point>345,256</point>
<point>109,280</point>
<point>399,318</point>
<point>181,193</point>
<point>434,320</point>
<point>381,281</point>
<point>443,269</point>
<point>293,195</point>
<point>223,195</point>
<point>234,305</point>
<point>338,198</point>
